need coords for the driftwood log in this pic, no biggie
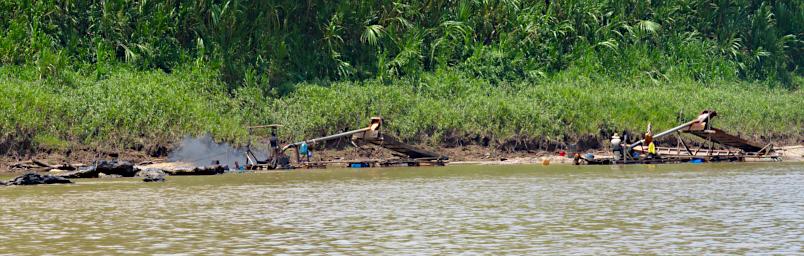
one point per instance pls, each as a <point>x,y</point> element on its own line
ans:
<point>202,170</point>
<point>37,179</point>
<point>40,166</point>
<point>113,167</point>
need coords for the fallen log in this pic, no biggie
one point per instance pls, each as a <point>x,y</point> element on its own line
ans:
<point>42,164</point>
<point>23,165</point>
<point>108,176</point>
<point>19,165</point>
<point>39,166</point>
<point>40,169</point>
<point>67,167</point>
<point>113,167</point>
<point>85,173</point>
<point>202,170</point>
<point>37,179</point>
<point>122,168</point>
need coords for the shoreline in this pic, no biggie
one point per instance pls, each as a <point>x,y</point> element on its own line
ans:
<point>466,155</point>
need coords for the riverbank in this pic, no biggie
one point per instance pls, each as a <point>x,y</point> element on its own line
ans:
<point>468,155</point>
<point>524,76</point>
<point>149,111</point>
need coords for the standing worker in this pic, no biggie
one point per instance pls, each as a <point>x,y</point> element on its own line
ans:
<point>274,142</point>
<point>303,150</point>
<point>616,148</point>
<point>625,137</point>
<point>649,142</point>
<point>275,151</point>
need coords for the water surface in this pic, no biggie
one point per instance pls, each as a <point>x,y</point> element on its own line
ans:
<point>663,209</point>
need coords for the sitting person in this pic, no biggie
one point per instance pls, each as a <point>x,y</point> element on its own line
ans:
<point>652,150</point>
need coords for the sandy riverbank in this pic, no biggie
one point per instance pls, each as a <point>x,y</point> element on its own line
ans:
<point>469,155</point>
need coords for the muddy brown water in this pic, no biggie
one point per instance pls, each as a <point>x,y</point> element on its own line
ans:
<point>664,209</point>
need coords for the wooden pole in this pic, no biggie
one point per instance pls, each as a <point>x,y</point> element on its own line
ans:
<point>684,143</point>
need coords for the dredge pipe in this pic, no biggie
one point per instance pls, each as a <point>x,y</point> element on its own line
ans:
<point>330,137</point>
<point>700,118</point>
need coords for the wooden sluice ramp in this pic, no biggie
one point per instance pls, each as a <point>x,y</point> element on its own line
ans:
<point>721,137</point>
<point>391,143</point>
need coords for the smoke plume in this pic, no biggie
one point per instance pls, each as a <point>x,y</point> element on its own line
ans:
<point>202,151</point>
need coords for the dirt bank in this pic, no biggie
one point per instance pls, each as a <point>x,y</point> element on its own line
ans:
<point>792,153</point>
<point>458,155</point>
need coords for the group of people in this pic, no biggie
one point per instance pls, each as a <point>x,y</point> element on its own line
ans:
<point>620,147</point>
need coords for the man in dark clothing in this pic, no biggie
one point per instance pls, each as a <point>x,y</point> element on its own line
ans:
<point>274,141</point>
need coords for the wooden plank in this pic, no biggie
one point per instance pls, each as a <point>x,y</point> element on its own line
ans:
<point>725,139</point>
<point>393,144</point>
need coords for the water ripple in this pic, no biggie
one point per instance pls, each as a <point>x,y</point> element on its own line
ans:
<point>674,209</point>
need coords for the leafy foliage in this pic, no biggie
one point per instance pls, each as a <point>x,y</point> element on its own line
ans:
<point>146,109</point>
<point>277,42</point>
<point>130,73</point>
<point>438,107</point>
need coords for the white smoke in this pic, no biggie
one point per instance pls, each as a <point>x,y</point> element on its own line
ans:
<point>202,151</point>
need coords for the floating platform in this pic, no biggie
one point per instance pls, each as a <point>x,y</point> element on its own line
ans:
<point>371,163</point>
<point>718,146</point>
<point>404,154</point>
<point>664,160</point>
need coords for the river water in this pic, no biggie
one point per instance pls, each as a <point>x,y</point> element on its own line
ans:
<point>663,209</point>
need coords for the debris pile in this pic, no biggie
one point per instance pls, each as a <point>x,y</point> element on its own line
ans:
<point>36,179</point>
<point>200,170</point>
<point>39,166</point>
<point>104,168</point>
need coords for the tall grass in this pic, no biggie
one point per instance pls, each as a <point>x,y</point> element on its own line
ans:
<point>438,107</point>
<point>146,110</point>
<point>140,74</point>
<point>130,109</point>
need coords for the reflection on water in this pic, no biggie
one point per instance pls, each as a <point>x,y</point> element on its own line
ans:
<point>666,209</point>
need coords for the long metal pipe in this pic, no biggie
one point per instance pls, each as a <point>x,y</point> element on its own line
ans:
<point>700,118</point>
<point>330,137</point>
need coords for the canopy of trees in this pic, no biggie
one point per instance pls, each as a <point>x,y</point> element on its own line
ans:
<point>269,43</point>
